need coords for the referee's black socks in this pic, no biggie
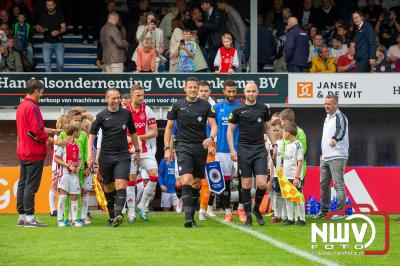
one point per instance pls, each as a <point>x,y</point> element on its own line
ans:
<point>120,201</point>
<point>187,201</point>
<point>196,196</point>
<point>246,196</point>
<point>259,197</point>
<point>226,195</point>
<point>110,197</point>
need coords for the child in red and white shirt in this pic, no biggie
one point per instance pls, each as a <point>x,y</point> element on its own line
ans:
<point>226,60</point>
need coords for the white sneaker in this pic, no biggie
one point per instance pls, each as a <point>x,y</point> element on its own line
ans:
<point>61,224</point>
<point>86,221</point>
<point>202,215</point>
<point>210,214</point>
<point>77,224</point>
<point>179,206</point>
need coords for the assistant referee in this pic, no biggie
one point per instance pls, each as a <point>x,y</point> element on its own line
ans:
<point>192,144</point>
<point>253,120</point>
<point>114,159</point>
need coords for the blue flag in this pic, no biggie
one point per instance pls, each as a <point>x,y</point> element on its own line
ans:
<point>215,178</point>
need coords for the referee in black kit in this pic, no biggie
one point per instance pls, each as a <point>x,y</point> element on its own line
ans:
<point>114,159</point>
<point>191,114</point>
<point>253,121</point>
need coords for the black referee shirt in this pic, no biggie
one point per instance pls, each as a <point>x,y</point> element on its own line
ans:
<point>114,125</point>
<point>251,120</point>
<point>191,118</point>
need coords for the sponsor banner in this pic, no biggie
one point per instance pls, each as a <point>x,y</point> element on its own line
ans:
<point>72,89</point>
<point>375,186</point>
<point>9,177</point>
<point>354,89</point>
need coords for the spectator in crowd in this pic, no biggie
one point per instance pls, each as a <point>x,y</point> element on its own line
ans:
<point>196,16</point>
<point>342,32</point>
<point>381,64</point>
<point>296,47</point>
<point>214,27</point>
<point>5,18</point>
<point>156,34</point>
<point>335,153</point>
<point>52,25</point>
<point>186,53</point>
<point>306,15</point>
<point>266,45</point>
<point>25,7</point>
<point>22,32</point>
<point>274,19</point>
<point>393,54</point>
<point>326,15</point>
<point>14,12</point>
<point>90,23</point>
<point>323,63</point>
<point>365,43</point>
<point>6,29</point>
<point>10,60</point>
<point>114,46</point>
<point>371,12</point>
<point>146,57</point>
<point>388,4</point>
<point>166,26</point>
<point>318,41</point>
<point>181,4</point>
<point>387,28</point>
<point>99,57</point>
<point>187,16</point>
<point>347,62</point>
<point>338,48</point>
<point>177,36</point>
<point>226,60</point>
<point>235,26</point>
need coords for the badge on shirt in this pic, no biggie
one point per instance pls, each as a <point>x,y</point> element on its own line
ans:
<point>199,119</point>
<point>124,127</point>
<point>259,120</point>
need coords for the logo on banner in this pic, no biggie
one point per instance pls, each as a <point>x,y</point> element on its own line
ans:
<point>215,178</point>
<point>304,90</point>
<point>353,235</point>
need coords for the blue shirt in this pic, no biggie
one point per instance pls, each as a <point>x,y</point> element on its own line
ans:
<point>166,173</point>
<point>222,111</point>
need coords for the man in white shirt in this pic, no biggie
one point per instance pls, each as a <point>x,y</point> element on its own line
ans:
<point>335,152</point>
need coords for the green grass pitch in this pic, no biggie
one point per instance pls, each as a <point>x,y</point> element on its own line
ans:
<point>164,241</point>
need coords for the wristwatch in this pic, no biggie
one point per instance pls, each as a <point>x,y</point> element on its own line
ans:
<point>212,138</point>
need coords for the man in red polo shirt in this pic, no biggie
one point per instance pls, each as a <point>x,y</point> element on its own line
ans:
<point>31,150</point>
<point>347,62</point>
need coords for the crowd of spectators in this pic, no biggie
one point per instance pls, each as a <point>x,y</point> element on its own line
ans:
<point>207,35</point>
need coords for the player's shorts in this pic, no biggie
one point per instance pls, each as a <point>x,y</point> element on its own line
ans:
<point>88,183</point>
<point>168,200</point>
<point>228,167</point>
<point>147,162</point>
<point>191,158</point>
<point>70,183</point>
<point>252,160</point>
<point>112,167</point>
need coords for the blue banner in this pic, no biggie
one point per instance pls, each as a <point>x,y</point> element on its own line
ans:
<point>215,178</point>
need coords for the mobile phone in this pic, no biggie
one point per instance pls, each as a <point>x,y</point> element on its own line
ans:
<point>182,42</point>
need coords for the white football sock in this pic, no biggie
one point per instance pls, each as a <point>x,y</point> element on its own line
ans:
<point>301,211</point>
<point>228,211</point>
<point>289,208</point>
<point>74,210</point>
<point>147,193</point>
<point>139,191</point>
<point>22,217</point>
<point>30,218</point>
<point>85,205</point>
<point>278,204</point>
<point>52,200</point>
<point>60,207</point>
<point>240,206</point>
<point>131,200</point>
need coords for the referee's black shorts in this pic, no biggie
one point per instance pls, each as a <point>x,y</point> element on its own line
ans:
<point>113,167</point>
<point>252,160</point>
<point>191,159</point>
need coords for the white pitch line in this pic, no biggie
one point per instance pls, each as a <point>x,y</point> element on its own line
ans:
<point>279,244</point>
